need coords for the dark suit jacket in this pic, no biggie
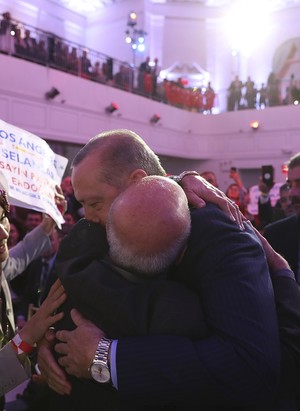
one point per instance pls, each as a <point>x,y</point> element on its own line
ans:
<point>239,363</point>
<point>119,302</point>
<point>283,235</point>
<point>287,296</point>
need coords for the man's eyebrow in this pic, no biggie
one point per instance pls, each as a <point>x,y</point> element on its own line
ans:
<point>297,180</point>
<point>91,200</point>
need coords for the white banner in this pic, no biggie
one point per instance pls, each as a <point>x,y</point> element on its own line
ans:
<point>31,170</point>
<point>254,193</point>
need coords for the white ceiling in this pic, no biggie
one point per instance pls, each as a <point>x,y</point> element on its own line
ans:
<point>86,6</point>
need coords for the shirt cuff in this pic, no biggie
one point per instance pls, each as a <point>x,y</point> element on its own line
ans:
<point>112,362</point>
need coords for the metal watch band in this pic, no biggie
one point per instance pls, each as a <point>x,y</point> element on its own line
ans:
<point>178,178</point>
<point>102,350</point>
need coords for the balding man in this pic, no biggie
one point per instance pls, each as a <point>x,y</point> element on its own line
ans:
<point>148,226</point>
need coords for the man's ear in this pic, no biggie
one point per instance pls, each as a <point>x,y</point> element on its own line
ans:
<point>136,176</point>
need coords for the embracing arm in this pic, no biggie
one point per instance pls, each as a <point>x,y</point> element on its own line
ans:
<point>14,364</point>
<point>237,365</point>
<point>12,371</point>
<point>287,298</point>
<point>199,191</point>
<point>34,244</point>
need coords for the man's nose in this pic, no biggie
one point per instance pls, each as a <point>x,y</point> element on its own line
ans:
<point>92,215</point>
<point>3,233</point>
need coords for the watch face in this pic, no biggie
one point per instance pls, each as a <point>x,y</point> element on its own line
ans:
<point>100,373</point>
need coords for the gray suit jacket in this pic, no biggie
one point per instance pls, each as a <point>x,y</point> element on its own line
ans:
<point>35,243</point>
<point>12,373</point>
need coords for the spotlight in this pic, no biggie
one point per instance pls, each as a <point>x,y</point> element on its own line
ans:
<point>254,125</point>
<point>51,94</point>
<point>132,19</point>
<point>111,108</point>
<point>154,119</point>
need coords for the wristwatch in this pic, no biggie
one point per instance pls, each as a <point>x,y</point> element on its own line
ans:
<point>99,368</point>
<point>179,178</point>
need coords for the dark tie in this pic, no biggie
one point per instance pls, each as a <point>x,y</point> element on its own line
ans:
<point>7,331</point>
<point>43,279</point>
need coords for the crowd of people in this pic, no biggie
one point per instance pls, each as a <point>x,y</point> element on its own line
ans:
<point>166,297</point>
<point>48,49</point>
<point>44,48</point>
<point>28,287</point>
<point>133,271</point>
<point>247,95</point>
<point>263,203</point>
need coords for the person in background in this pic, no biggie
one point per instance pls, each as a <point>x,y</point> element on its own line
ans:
<point>7,324</point>
<point>237,192</point>
<point>283,235</point>
<point>263,96</point>
<point>32,246</point>
<point>6,40</point>
<point>155,71</point>
<point>250,93</point>
<point>36,277</point>
<point>235,94</point>
<point>73,206</point>
<point>144,69</point>
<point>209,98</point>
<point>97,73</point>
<point>284,207</point>
<point>210,177</point>
<point>32,220</point>
<point>85,65</point>
<point>16,233</point>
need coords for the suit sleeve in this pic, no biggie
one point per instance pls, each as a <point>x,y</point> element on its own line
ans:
<point>11,371</point>
<point>239,363</point>
<point>33,245</point>
<point>287,297</point>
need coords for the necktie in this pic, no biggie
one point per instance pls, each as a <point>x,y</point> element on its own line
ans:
<point>43,279</point>
<point>6,333</point>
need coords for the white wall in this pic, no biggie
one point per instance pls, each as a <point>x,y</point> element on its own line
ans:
<point>176,32</point>
<point>193,140</point>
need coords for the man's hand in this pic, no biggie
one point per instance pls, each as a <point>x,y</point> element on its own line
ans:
<point>198,190</point>
<point>275,260</point>
<point>78,347</point>
<point>44,318</point>
<point>51,373</point>
<point>48,223</point>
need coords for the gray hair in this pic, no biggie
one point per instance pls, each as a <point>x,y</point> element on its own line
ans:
<point>120,152</point>
<point>294,161</point>
<point>136,257</point>
<point>145,264</point>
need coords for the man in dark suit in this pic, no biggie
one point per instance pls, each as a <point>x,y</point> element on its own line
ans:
<point>283,235</point>
<point>139,298</point>
<point>238,364</point>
